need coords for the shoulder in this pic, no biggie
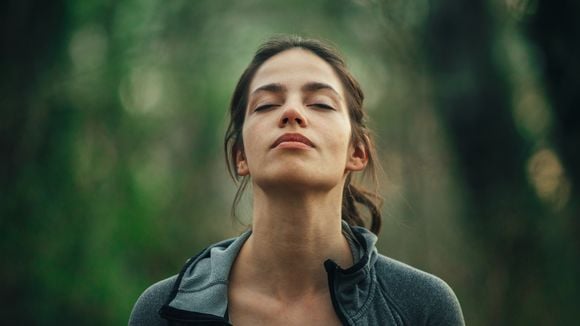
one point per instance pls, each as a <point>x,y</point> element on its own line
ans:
<point>423,298</point>
<point>146,309</point>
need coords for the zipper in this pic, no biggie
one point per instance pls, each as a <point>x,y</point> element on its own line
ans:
<point>331,269</point>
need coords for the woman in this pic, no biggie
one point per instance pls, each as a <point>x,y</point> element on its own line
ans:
<point>297,134</point>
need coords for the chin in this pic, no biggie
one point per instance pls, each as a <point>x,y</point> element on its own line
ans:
<point>296,180</point>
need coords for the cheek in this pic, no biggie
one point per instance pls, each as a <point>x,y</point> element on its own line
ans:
<point>343,133</point>
<point>249,136</point>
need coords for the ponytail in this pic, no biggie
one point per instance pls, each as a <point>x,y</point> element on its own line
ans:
<point>352,195</point>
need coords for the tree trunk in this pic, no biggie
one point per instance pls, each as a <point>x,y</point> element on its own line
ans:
<point>472,96</point>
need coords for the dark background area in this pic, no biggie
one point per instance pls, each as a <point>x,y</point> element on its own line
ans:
<point>112,121</point>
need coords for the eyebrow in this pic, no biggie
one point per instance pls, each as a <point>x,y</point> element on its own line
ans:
<point>270,88</point>
<point>309,87</point>
<point>316,86</point>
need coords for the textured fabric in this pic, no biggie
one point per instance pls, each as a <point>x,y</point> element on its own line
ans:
<point>376,290</point>
<point>146,309</point>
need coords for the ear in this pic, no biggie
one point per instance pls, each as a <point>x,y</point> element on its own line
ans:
<point>242,164</point>
<point>357,157</point>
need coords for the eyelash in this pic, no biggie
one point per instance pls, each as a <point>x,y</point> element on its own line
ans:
<point>316,105</point>
<point>264,107</point>
<point>322,106</point>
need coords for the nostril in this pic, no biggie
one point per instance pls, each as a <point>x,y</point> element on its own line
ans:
<point>292,116</point>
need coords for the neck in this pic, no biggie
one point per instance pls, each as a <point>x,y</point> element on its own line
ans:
<point>292,236</point>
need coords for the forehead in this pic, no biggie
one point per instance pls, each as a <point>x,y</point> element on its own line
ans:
<point>295,67</point>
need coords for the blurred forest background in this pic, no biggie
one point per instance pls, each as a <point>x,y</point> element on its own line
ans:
<point>111,157</point>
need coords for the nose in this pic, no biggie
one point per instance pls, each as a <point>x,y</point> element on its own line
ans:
<point>292,115</point>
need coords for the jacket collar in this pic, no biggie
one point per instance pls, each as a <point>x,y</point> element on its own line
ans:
<point>200,290</point>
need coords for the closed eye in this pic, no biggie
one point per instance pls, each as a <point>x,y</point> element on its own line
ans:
<point>265,107</point>
<point>322,106</point>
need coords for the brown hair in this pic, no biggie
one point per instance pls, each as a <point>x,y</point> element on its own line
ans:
<point>354,101</point>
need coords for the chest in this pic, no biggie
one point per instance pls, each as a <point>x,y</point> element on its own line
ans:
<point>256,310</point>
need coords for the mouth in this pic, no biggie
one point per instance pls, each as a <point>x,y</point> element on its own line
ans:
<point>292,138</point>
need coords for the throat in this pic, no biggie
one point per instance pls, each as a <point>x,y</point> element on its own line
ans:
<point>291,239</point>
<point>289,268</point>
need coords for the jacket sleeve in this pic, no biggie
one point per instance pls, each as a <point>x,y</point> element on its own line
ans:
<point>419,298</point>
<point>146,309</point>
<point>444,308</point>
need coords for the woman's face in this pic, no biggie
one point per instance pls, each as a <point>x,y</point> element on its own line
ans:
<point>297,129</point>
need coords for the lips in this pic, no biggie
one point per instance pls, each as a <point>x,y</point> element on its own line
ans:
<point>292,137</point>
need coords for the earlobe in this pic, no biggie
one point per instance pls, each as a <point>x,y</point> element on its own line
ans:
<point>241,164</point>
<point>358,158</point>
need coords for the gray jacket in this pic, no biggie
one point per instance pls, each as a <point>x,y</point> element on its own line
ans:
<point>376,290</point>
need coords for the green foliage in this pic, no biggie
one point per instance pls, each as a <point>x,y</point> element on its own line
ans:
<point>113,116</point>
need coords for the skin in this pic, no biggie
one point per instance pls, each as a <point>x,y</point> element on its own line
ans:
<point>278,276</point>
